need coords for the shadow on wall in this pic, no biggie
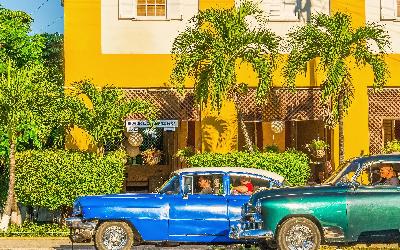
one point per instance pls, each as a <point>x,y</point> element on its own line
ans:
<point>303,8</point>
<point>215,134</point>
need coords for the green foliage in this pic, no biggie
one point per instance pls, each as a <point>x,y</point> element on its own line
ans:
<point>337,45</point>
<point>317,144</point>
<point>392,147</point>
<point>212,46</point>
<point>185,152</point>
<point>54,178</point>
<point>30,229</point>
<point>15,42</point>
<point>271,148</point>
<point>293,165</point>
<point>31,106</point>
<point>53,56</point>
<point>103,117</point>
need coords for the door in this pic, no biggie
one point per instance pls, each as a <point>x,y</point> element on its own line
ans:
<point>373,207</point>
<point>201,210</point>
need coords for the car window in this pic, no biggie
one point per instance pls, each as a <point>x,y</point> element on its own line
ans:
<point>242,184</point>
<point>171,186</point>
<point>379,173</point>
<point>204,184</point>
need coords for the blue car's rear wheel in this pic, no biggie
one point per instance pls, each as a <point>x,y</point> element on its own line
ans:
<point>298,233</point>
<point>114,235</point>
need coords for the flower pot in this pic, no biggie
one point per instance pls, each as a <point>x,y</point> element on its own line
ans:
<point>319,153</point>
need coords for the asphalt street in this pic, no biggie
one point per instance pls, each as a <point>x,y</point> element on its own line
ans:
<point>64,243</point>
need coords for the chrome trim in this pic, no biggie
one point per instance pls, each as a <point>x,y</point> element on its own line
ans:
<point>333,233</point>
<point>78,223</point>
<point>80,230</point>
<point>250,231</point>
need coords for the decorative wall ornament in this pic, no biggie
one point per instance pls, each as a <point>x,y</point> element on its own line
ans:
<point>135,139</point>
<point>277,126</point>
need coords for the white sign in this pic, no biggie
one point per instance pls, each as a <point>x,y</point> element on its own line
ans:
<point>132,124</point>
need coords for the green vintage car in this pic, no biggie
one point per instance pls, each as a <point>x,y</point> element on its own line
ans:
<point>360,202</point>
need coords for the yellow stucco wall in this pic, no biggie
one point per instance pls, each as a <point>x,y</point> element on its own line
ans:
<point>83,59</point>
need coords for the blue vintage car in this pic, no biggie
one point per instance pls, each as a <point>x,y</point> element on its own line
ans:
<point>196,205</point>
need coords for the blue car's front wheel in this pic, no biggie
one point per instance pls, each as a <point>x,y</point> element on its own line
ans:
<point>114,235</point>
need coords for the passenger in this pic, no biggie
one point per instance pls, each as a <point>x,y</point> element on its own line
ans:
<point>246,187</point>
<point>205,185</point>
<point>388,176</point>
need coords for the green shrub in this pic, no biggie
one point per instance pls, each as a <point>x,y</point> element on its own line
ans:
<point>392,146</point>
<point>54,178</point>
<point>293,165</point>
<point>30,229</point>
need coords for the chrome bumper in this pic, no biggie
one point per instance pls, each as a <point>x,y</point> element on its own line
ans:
<point>250,231</point>
<point>80,230</point>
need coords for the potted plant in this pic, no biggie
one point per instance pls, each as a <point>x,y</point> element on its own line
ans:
<point>317,147</point>
<point>184,153</point>
<point>392,147</point>
<point>151,156</point>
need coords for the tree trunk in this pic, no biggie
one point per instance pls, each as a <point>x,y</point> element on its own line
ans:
<point>249,143</point>
<point>341,132</point>
<point>5,220</point>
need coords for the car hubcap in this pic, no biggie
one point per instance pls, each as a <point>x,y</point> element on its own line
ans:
<point>115,238</point>
<point>300,237</point>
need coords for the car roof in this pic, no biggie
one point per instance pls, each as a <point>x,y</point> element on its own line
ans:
<point>381,157</point>
<point>255,171</point>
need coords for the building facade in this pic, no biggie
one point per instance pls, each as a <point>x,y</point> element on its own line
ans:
<point>127,43</point>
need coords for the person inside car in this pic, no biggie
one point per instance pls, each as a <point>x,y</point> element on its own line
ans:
<point>205,185</point>
<point>388,176</point>
<point>246,187</point>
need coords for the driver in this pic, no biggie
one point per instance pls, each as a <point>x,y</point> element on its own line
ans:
<point>388,176</point>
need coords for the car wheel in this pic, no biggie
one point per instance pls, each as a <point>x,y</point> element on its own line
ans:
<point>114,236</point>
<point>298,233</point>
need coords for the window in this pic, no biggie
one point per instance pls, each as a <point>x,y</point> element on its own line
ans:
<point>157,9</point>
<point>238,182</point>
<point>390,9</point>
<point>398,8</point>
<point>151,7</point>
<point>281,10</point>
<point>376,173</point>
<point>391,130</point>
<point>203,184</point>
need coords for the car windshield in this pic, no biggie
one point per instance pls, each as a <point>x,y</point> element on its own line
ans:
<point>342,170</point>
<point>171,186</point>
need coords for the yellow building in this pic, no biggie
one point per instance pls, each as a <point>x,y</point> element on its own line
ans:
<point>127,43</point>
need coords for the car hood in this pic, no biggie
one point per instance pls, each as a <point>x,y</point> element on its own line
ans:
<point>297,192</point>
<point>117,199</point>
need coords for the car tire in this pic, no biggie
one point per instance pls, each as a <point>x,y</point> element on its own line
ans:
<point>114,235</point>
<point>298,233</point>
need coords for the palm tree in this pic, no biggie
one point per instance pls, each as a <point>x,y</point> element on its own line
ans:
<point>210,49</point>
<point>104,117</point>
<point>334,44</point>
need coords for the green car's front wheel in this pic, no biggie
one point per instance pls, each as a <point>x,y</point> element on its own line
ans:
<point>298,233</point>
<point>114,235</point>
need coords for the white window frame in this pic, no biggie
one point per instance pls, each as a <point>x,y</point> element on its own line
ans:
<point>389,10</point>
<point>279,6</point>
<point>173,11</point>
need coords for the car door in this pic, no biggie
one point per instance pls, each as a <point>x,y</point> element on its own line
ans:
<point>372,208</point>
<point>198,216</point>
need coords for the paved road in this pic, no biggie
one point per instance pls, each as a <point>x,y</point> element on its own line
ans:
<point>64,244</point>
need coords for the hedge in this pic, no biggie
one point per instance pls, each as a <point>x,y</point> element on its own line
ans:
<point>54,178</point>
<point>30,229</point>
<point>291,164</point>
